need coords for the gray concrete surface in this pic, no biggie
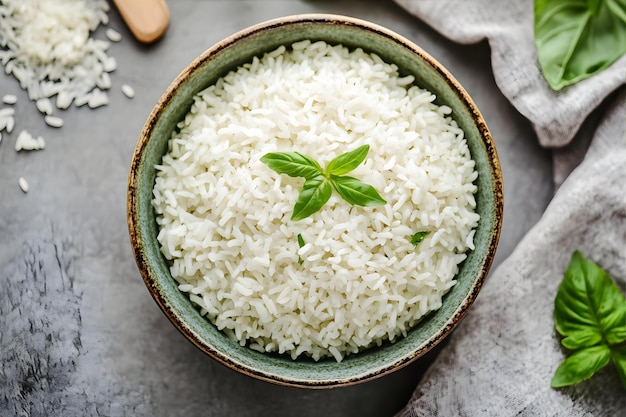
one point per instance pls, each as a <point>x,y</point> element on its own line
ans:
<point>80,335</point>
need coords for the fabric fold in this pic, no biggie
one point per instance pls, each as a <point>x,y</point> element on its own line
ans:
<point>508,27</point>
<point>501,358</point>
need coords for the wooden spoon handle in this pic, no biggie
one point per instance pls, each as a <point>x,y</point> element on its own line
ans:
<point>146,19</point>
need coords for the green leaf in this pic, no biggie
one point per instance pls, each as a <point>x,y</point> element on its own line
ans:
<point>315,193</point>
<point>317,188</point>
<point>293,164</point>
<point>589,303</point>
<point>347,162</point>
<point>581,339</point>
<point>616,326</point>
<point>417,238</point>
<point>581,365</point>
<point>300,244</point>
<point>618,355</point>
<point>576,39</point>
<point>355,192</point>
<point>590,312</point>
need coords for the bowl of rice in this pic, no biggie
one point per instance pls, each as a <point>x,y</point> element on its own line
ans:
<point>315,201</point>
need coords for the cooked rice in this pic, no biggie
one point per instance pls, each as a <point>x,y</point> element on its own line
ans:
<point>224,216</point>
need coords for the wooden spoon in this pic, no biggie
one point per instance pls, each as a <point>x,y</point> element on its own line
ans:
<point>146,19</point>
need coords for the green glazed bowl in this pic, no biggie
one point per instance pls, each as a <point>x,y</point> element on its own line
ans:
<point>176,102</point>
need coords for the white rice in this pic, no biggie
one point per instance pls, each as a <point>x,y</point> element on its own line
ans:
<point>9,99</point>
<point>224,216</point>
<point>53,121</point>
<point>44,105</point>
<point>128,91</point>
<point>113,35</point>
<point>26,141</point>
<point>46,45</point>
<point>7,119</point>
<point>21,181</point>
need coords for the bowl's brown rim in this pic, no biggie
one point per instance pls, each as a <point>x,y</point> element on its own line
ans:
<point>132,213</point>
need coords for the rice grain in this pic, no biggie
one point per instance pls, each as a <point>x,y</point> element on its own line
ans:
<point>25,141</point>
<point>113,35</point>
<point>128,91</point>
<point>47,47</point>
<point>9,99</point>
<point>53,121</point>
<point>23,184</point>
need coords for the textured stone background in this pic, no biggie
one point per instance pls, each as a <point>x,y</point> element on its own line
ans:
<point>79,333</point>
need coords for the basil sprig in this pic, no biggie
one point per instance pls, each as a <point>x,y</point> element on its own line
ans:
<point>576,39</point>
<point>319,183</point>
<point>590,314</point>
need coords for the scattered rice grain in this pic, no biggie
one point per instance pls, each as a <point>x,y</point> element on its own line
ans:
<point>9,99</point>
<point>21,181</point>
<point>44,105</point>
<point>128,91</point>
<point>6,121</point>
<point>97,98</point>
<point>10,124</point>
<point>64,100</point>
<point>113,35</point>
<point>47,47</point>
<point>7,112</point>
<point>53,121</point>
<point>25,141</point>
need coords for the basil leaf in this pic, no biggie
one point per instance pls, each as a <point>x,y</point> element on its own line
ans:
<point>293,164</point>
<point>616,323</point>
<point>618,355</point>
<point>589,301</point>
<point>300,244</point>
<point>315,193</point>
<point>347,162</point>
<point>590,312</point>
<point>581,339</point>
<point>576,39</point>
<point>355,192</point>
<point>317,188</point>
<point>417,238</point>
<point>581,365</point>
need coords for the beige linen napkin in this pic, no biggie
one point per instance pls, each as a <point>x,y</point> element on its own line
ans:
<point>508,27</point>
<point>500,360</point>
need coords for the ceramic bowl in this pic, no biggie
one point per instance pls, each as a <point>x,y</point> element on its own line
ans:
<point>176,102</point>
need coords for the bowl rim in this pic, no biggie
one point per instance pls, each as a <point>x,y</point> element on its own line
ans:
<point>133,212</point>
